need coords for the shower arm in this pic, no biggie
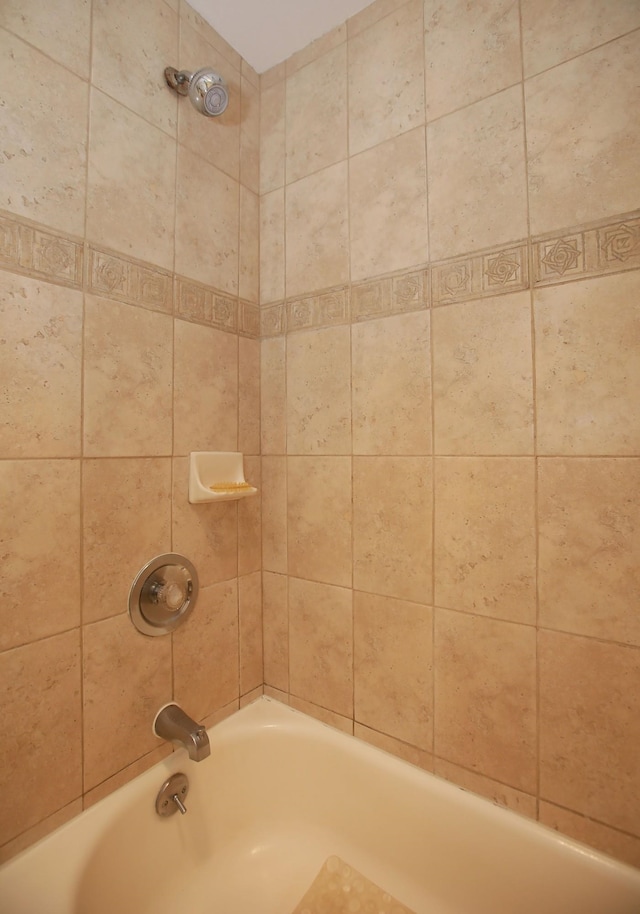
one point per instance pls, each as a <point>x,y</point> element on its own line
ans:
<point>178,79</point>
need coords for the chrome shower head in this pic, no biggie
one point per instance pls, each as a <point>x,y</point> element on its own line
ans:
<point>206,89</point>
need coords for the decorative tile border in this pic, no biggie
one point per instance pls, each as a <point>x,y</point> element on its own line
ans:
<point>495,272</point>
<point>36,251</point>
<point>324,310</point>
<point>129,281</point>
<point>397,294</point>
<point>25,248</point>
<point>273,319</point>
<point>606,247</point>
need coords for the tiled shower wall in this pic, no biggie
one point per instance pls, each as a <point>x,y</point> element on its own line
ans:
<point>129,325</point>
<point>450,291</point>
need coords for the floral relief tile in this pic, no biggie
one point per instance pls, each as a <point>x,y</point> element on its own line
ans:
<point>388,56</point>
<point>44,149</point>
<point>392,499</point>
<point>211,633</point>
<point>206,248</point>
<point>316,121</point>
<point>393,654</point>
<point>127,378</point>
<point>145,35</point>
<point>40,685</point>
<point>589,540</point>
<point>40,370</point>
<point>485,548</point>
<point>317,233</point>
<point>587,370</point>
<point>472,51</point>
<point>579,165</point>
<point>483,376</point>
<point>388,206</point>
<point>477,182</point>
<point>275,616</point>
<point>485,697</point>
<point>117,721</point>
<point>590,728</point>
<point>321,645</point>
<point>120,532</point>
<point>391,385</point>
<point>554,31</point>
<point>319,519</point>
<point>319,392</point>
<point>133,162</point>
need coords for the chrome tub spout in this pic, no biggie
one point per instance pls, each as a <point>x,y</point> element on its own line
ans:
<point>171,723</point>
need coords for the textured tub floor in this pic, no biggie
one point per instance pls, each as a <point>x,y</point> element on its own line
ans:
<point>339,888</point>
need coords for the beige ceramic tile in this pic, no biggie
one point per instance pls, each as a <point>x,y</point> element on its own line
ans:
<point>41,830</point>
<point>371,14</point>
<point>407,753</point>
<point>126,522</point>
<point>40,685</point>
<point>316,49</point>
<point>337,721</point>
<point>205,389</point>
<point>206,533</point>
<point>274,514</point>
<point>249,257</point>
<point>604,839</point>
<point>321,645</point>
<point>44,144</point>
<point>317,233</point>
<point>132,44</point>
<point>319,519</point>
<point>392,385</point>
<point>249,697</point>
<point>40,537</point>
<point>250,622</point>
<point>485,548</point>
<point>483,376</point>
<point>580,163</point>
<point>319,392</point>
<point>272,246</point>
<point>61,31</point>
<point>248,396</point>
<point>485,697</point>
<point>127,380</point>
<point>212,720</point>
<point>272,137</point>
<point>206,247</point>
<point>386,78</point>
<point>273,396</point>
<point>250,521</point>
<point>275,618</point>
<point>249,134</point>
<point>554,31</point>
<point>392,526</point>
<point>477,185</point>
<point>589,579</point>
<point>472,50</point>
<point>393,655</point>
<point>276,695</point>
<point>587,366</point>
<point>40,541</point>
<point>217,139</point>
<point>590,728</point>
<point>316,119</point>
<point>273,75</point>
<point>133,162</point>
<point>122,777</point>
<point>500,794</point>
<point>211,634</point>
<point>40,369</point>
<point>388,206</point>
<point>118,717</point>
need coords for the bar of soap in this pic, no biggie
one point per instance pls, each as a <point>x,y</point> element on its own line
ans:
<point>230,486</point>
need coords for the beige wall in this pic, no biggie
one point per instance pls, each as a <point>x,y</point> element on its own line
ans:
<point>128,338</point>
<point>450,244</point>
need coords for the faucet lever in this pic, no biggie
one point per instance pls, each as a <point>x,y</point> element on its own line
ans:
<point>171,723</point>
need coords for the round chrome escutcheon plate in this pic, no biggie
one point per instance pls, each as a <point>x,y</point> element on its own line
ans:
<point>163,594</point>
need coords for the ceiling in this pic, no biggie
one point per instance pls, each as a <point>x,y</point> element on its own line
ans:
<point>266,32</point>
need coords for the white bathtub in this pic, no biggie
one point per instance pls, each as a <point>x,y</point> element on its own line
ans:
<point>279,794</point>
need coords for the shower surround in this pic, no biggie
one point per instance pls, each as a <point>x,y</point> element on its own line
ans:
<point>438,211</point>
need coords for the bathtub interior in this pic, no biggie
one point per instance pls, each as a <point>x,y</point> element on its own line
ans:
<point>280,794</point>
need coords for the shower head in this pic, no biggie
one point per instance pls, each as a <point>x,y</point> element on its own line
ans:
<point>206,89</point>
